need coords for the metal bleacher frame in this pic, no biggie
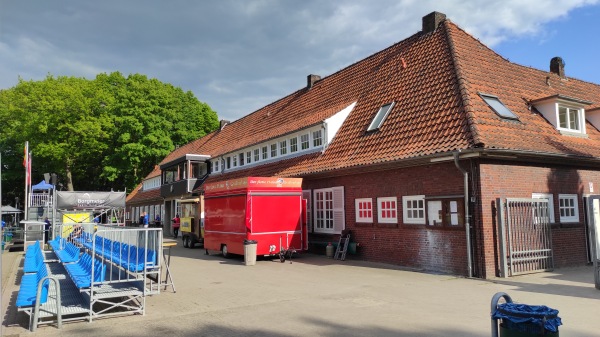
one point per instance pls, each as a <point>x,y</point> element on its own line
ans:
<point>124,290</point>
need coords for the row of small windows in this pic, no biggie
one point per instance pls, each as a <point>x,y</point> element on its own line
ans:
<point>280,148</point>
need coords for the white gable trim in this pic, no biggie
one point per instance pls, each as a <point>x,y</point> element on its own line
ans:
<point>334,123</point>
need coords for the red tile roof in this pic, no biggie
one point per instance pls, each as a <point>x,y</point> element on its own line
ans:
<point>434,79</point>
<point>137,196</point>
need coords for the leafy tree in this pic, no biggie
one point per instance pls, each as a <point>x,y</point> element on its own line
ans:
<point>99,134</point>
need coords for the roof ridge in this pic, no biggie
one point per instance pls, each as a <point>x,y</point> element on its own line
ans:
<point>461,80</point>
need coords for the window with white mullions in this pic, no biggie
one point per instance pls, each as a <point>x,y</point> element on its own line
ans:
<point>323,210</point>
<point>304,145</point>
<point>364,210</point>
<point>283,147</point>
<point>414,209</point>
<point>328,210</point>
<point>387,210</point>
<point>568,208</point>
<point>293,144</point>
<point>568,118</point>
<point>317,138</point>
<point>273,150</point>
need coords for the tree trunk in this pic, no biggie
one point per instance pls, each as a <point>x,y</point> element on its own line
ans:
<point>69,178</point>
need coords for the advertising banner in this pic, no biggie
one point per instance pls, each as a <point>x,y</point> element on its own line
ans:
<point>90,200</point>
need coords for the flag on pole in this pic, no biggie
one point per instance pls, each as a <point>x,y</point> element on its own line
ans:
<point>29,169</point>
<point>25,154</point>
<point>27,165</point>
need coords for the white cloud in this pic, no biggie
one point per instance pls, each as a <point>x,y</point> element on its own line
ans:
<point>239,56</point>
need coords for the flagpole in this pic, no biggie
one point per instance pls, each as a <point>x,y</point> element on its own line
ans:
<point>26,164</point>
<point>2,247</point>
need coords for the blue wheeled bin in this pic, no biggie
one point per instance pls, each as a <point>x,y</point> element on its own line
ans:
<point>522,320</point>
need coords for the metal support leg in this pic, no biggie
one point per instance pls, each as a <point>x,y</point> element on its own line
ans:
<point>36,311</point>
<point>168,277</point>
<point>494,306</point>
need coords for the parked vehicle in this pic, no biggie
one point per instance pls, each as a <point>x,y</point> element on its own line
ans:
<point>270,211</point>
<point>191,222</point>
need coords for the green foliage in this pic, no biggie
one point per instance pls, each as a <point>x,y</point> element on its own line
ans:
<point>105,133</point>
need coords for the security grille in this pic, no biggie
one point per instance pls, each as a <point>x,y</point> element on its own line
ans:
<point>525,236</point>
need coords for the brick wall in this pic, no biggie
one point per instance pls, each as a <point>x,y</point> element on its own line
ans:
<point>498,180</point>
<point>414,246</point>
<point>442,249</point>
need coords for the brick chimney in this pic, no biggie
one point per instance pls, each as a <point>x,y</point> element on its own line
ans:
<point>222,124</point>
<point>432,20</point>
<point>557,66</point>
<point>311,80</point>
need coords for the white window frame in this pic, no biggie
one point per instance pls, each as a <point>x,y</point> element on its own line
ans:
<point>235,162</point>
<point>317,138</point>
<point>550,198</point>
<point>304,142</point>
<point>574,207</point>
<point>293,144</point>
<point>580,118</point>
<point>264,152</point>
<point>283,147</point>
<point>358,206</point>
<point>329,210</point>
<point>273,150</point>
<point>216,166</point>
<point>248,157</point>
<point>381,208</point>
<point>406,209</point>
<point>256,155</point>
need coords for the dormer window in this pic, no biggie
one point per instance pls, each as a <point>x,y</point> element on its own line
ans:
<point>567,114</point>
<point>569,118</point>
<point>380,117</point>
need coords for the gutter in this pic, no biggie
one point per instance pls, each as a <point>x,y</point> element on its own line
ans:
<point>467,222</point>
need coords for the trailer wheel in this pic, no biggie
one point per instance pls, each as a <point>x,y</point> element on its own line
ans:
<point>282,257</point>
<point>190,242</point>
<point>185,242</point>
<point>224,251</point>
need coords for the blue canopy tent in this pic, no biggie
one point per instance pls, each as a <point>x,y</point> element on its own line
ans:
<point>42,186</point>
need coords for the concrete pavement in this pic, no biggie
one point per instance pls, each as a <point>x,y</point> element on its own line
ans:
<point>316,296</point>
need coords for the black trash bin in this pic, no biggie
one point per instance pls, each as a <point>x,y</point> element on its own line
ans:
<point>522,320</point>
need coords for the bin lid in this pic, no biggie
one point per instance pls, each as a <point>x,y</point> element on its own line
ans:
<point>250,242</point>
<point>535,314</point>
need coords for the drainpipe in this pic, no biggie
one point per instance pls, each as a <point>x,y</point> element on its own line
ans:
<point>467,222</point>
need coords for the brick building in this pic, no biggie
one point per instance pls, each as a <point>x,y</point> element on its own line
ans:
<point>419,151</point>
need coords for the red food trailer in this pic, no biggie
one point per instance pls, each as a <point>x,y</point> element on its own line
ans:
<point>268,210</point>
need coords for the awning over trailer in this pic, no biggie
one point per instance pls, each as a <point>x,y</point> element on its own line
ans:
<point>90,200</point>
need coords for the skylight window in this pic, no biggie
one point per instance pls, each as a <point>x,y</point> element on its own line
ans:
<point>499,108</point>
<point>380,116</point>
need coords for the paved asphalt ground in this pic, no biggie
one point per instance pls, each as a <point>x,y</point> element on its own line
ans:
<point>316,296</point>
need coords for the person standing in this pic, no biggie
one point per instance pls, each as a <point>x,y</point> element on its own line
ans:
<point>145,220</point>
<point>176,224</point>
<point>47,226</point>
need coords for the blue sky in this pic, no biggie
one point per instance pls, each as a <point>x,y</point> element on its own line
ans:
<point>575,38</point>
<point>239,56</point>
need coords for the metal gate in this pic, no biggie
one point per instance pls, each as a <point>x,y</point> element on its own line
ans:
<point>525,236</point>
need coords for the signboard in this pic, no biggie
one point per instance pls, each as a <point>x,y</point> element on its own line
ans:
<point>186,224</point>
<point>253,183</point>
<point>90,200</point>
<point>73,218</point>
